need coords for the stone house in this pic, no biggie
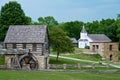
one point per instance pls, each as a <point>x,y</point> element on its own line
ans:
<point>108,50</point>
<point>33,39</point>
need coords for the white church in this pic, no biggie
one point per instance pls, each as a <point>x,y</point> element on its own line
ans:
<point>86,38</point>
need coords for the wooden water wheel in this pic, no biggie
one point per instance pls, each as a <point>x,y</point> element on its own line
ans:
<point>28,61</point>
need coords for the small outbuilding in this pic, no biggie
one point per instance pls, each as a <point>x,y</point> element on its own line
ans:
<point>74,41</point>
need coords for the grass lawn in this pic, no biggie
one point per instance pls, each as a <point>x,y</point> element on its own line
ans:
<point>65,61</point>
<point>29,75</point>
<point>93,57</point>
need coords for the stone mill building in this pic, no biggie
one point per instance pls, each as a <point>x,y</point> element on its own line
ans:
<point>27,46</point>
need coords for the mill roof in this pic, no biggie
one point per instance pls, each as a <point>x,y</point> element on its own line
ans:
<point>26,34</point>
<point>99,38</point>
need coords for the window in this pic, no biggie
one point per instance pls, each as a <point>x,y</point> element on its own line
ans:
<point>14,46</point>
<point>34,47</point>
<point>110,47</point>
<point>111,57</point>
<point>6,46</point>
<point>24,46</point>
<point>93,47</point>
<point>97,47</point>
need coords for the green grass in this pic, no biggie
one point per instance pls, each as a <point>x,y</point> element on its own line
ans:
<point>93,57</point>
<point>2,60</point>
<point>65,61</point>
<point>29,75</point>
<point>91,69</point>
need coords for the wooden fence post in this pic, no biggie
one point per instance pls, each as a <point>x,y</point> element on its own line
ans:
<point>79,66</point>
<point>48,67</point>
<point>64,66</point>
<point>93,66</point>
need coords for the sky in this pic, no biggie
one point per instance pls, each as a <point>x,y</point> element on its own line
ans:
<point>70,10</point>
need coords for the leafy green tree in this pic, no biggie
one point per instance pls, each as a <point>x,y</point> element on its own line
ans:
<point>12,14</point>
<point>118,29</point>
<point>109,28</point>
<point>42,21</point>
<point>60,42</point>
<point>118,24</point>
<point>72,28</point>
<point>49,21</point>
<point>105,26</point>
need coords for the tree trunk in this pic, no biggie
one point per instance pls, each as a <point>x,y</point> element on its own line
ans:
<point>57,56</point>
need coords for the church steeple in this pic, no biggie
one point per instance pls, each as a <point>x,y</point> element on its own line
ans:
<point>83,33</point>
<point>83,30</point>
<point>83,41</point>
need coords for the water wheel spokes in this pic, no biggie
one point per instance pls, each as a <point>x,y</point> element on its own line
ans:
<point>28,62</point>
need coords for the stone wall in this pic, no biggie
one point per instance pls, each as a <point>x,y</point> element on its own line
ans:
<point>114,52</point>
<point>8,60</point>
<point>42,62</point>
<point>103,48</point>
<point>97,48</point>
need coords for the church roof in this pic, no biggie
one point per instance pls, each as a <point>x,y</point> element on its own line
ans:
<point>99,38</point>
<point>83,40</point>
<point>83,30</point>
<point>26,34</point>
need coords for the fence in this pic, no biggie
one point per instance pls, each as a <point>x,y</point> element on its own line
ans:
<point>75,66</point>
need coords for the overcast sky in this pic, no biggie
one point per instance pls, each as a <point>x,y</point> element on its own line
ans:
<point>70,10</point>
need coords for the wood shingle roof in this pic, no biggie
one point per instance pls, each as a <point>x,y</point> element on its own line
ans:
<point>99,38</point>
<point>26,34</point>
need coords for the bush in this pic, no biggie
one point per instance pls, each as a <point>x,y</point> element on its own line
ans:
<point>2,60</point>
<point>87,47</point>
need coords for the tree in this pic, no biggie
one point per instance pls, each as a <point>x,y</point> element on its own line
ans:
<point>12,14</point>
<point>118,29</point>
<point>49,21</point>
<point>60,42</point>
<point>72,28</point>
<point>118,24</point>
